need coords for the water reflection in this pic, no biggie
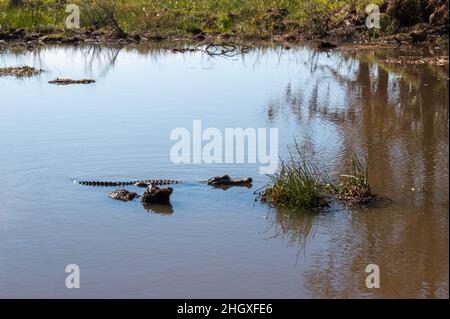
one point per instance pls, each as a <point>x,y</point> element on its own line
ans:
<point>158,208</point>
<point>332,103</point>
<point>226,187</point>
<point>294,227</point>
<point>397,116</point>
<point>104,58</point>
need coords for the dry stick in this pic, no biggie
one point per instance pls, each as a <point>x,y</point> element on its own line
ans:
<point>58,81</point>
<point>221,49</point>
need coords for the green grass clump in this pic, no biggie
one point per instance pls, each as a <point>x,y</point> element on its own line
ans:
<point>298,184</point>
<point>301,185</point>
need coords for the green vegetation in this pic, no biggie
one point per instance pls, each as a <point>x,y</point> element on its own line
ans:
<point>178,17</point>
<point>301,185</point>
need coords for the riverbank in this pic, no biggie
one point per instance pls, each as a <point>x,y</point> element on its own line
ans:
<point>402,22</point>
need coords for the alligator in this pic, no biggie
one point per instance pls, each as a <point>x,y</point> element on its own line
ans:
<point>156,195</point>
<point>224,180</point>
<point>139,183</point>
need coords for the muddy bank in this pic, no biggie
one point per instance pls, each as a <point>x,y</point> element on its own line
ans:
<point>213,44</point>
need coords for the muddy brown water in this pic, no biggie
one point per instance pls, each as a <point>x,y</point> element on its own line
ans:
<point>213,242</point>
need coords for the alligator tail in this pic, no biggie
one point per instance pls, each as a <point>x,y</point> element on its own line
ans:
<point>128,183</point>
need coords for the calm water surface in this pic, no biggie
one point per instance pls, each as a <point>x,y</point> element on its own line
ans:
<point>213,242</point>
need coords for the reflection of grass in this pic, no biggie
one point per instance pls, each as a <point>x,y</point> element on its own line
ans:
<point>300,185</point>
<point>295,228</point>
<point>409,72</point>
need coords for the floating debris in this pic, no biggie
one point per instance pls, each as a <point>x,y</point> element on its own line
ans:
<point>436,60</point>
<point>58,81</point>
<point>123,195</point>
<point>226,49</point>
<point>22,71</point>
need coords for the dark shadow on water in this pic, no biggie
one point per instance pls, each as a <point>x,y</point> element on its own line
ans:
<point>159,208</point>
<point>226,187</point>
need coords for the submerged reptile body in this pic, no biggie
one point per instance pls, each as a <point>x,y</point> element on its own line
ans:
<point>217,181</point>
<point>129,183</point>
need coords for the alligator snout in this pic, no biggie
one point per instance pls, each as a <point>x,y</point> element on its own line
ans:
<point>226,180</point>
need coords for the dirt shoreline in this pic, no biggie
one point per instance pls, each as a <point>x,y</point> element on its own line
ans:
<point>21,39</point>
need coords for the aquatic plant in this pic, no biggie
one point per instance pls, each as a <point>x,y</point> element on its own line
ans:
<point>298,184</point>
<point>301,185</point>
<point>354,187</point>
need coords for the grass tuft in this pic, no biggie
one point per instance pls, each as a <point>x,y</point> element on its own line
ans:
<point>298,184</point>
<point>301,185</point>
<point>354,187</point>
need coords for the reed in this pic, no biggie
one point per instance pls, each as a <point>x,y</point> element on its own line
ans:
<point>298,184</point>
<point>301,185</point>
<point>354,186</point>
